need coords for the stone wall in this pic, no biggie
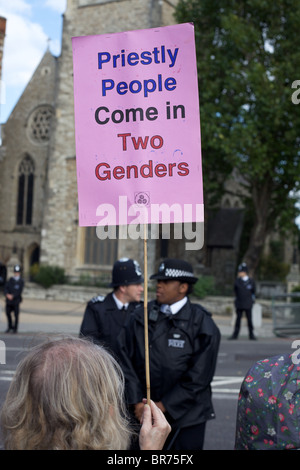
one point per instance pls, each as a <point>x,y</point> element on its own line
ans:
<point>217,305</point>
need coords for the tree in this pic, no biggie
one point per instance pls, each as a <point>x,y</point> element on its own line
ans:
<point>248,56</point>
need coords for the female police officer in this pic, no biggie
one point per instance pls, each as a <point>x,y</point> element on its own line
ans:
<point>183,348</point>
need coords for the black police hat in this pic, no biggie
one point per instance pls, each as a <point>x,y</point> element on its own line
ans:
<point>17,268</point>
<point>243,268</point>
<point>175,269</point>
<point>126,271</point>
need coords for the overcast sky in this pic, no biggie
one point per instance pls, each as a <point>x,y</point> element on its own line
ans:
<point>31,26</point>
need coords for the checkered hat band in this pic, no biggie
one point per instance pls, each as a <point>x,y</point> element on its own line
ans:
<point>178,273</point>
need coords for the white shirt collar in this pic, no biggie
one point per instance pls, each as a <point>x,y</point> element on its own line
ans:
<point>174,307</point>
<point>119,304</point>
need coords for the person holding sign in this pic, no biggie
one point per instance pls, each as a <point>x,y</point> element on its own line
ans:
<point>183,348</point>
<point>105,316</point>
<point>68,394</point>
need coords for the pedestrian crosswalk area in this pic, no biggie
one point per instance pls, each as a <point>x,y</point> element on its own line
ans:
<point>6,375</point>
<point>223,386</point>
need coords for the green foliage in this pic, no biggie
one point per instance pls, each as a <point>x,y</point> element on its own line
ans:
<point>204,286</point>
<point>296,290</point>
<point>271,269</point>
<point>91,281</point>
<point>247,61</point>
<point>34,269</point>
<point>84,280</point>
<point>47,276</point>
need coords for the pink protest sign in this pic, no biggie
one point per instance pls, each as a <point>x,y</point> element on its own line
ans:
<point>137,127</point>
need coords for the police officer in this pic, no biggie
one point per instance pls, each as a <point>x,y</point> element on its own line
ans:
<point>13,296</point>
<point>105,316</point>
<point>244,289</point>
<point>183,348</point>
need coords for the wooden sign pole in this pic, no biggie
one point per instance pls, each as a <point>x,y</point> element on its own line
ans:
<point>147,366</point>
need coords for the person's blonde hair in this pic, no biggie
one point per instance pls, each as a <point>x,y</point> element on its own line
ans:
<point>66,394</point>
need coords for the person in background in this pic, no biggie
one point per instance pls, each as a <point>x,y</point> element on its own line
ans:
<point>67,394</point>
<point>3,274</point>
<point>244,289</point>
<point>13,297</point>
<point>105,316</point>
<point>183,349</point>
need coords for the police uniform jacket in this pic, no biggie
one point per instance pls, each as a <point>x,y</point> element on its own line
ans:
<point>183,351</point>
<point>244,293</point>
<point>15,287</point>
<point>102,321</point>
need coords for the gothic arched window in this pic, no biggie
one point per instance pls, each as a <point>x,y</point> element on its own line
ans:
<point>25,191</point>
<point>99,252</point>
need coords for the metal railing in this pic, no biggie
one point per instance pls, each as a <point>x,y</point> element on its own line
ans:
<point>286,314</point>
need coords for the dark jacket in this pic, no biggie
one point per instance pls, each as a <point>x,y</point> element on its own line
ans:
<point>14,287</point>
<point>102,321</point>
<point>3,274</point>
<point>244,293</point>
<point>183,352</point>
<point>268,406</point>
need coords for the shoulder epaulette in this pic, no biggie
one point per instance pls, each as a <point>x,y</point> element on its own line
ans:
<point>97,298</point>
<point>138,305</point>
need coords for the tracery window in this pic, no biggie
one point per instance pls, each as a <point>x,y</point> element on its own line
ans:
<point>39,124</point>
<point>25,191</point>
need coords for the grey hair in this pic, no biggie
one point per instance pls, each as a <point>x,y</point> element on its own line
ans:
<point>67,393</point>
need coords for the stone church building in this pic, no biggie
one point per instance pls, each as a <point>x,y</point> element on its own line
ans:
<point>38,187</point>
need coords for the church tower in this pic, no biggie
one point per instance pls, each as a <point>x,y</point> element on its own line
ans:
<point>63,243</point>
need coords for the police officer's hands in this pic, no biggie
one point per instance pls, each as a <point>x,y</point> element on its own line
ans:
<point>155,428</point>
<point>160,405</point>
<point>138,410</point>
